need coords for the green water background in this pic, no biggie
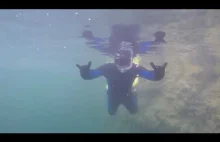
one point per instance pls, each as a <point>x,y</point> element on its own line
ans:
<point>41,90</point>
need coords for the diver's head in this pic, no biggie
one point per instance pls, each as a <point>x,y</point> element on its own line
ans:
<point>159,36</point>
<point>123,59</point>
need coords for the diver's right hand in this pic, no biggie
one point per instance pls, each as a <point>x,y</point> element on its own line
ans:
<point>84,67</point>
<point>84,70</point>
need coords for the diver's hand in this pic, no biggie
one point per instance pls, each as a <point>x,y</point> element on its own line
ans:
<point>84,67</point>
<point>84,70</point>
<point>159,70</point>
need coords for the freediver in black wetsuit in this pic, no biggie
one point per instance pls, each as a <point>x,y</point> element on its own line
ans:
<point>120,76</point>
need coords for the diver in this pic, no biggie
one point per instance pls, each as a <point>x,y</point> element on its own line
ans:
<point>120,76</point>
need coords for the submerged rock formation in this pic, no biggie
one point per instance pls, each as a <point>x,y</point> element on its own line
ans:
<point>187,99</point>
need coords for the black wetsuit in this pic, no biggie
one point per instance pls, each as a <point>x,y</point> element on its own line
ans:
<point>120,84</point>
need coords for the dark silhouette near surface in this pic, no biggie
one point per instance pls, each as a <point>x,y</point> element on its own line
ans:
<point>127,33</point>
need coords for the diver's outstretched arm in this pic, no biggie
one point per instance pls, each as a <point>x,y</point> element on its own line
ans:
<point>144,47</point>
<point>147,46</point>
<point>154,75</point>
<point>88,74</point>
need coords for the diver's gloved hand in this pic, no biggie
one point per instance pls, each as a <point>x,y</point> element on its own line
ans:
<point>84,70</point>
<point>159,70</point>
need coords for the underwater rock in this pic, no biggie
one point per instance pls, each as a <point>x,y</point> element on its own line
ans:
<point>188,97</point>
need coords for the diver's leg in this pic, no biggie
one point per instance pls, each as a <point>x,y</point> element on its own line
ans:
<point>113,104</point>
<point>130,102</point>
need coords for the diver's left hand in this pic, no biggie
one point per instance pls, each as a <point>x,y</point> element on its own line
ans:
<point>159,70</point>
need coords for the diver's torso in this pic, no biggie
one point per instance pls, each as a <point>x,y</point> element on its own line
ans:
<point>119,84</point>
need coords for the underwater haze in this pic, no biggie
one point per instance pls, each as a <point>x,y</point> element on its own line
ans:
<point>41,89</point>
